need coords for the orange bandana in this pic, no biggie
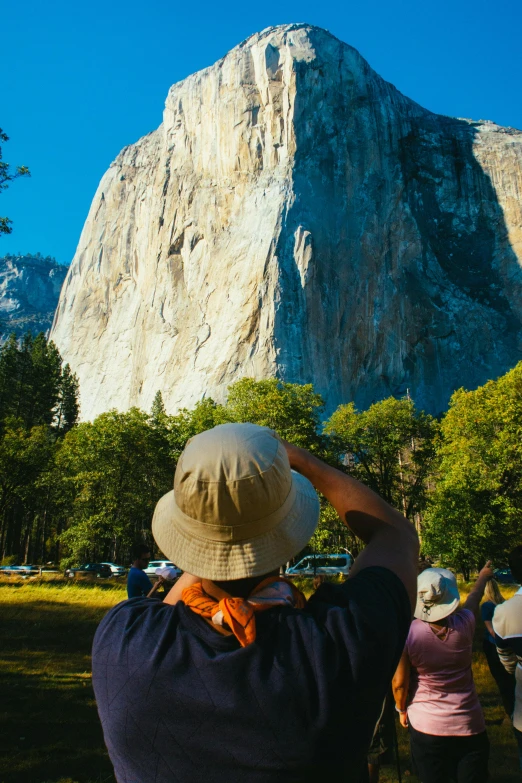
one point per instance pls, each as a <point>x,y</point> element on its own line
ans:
<point>238,614</point>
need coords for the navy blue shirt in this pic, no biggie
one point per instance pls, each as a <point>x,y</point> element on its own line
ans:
<point>487,610</point>
<point>180,702</point>
<point>138,583</point>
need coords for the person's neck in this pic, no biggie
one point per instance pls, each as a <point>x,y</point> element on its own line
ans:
<point>137,565</point>
<point>238,588</point>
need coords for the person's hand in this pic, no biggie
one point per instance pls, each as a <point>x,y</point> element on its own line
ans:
<point>403,719</point>
<point>486,572</point>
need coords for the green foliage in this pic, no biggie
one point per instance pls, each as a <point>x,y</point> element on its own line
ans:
<point>187,423</point>
<point>294,411</point>
<point>34,387</point>
<point>67,406</point>
<point>38,405</point>
<point>158,413</point>
<point>332,535</point>
<point>6,177</point>
<point>73,491</point>
<point>113,475</point>
<point>390,447</point>
<point>9,560</point>
<point>476,508</point>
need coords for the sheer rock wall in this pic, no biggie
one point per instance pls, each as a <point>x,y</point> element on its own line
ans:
<point>295,215</point>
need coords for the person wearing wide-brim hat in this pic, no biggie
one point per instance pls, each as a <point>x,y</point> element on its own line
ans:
<point>235,676</point>
<point>433,687</point>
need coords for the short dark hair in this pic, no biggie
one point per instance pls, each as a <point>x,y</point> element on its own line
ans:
<point>515,563</point>
<point>138,550</point>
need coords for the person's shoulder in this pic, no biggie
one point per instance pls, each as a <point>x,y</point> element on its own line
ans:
<point>132,613</point>
<point>137,572</point>
<point>487,609</point>
<point>415,632</point>
<point>371,582</point>
<point>417,626</point>
<point>463,617</point>
<point>507,620</point>
<point>510,606</point>
<point>374,596</point>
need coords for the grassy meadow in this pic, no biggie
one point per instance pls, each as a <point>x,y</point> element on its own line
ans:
<point>49,728</point>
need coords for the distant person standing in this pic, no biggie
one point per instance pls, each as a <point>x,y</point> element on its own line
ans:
<point>448,737</point>
<point>138,583</point>
<point>507,625</point>
<point>505,680</point>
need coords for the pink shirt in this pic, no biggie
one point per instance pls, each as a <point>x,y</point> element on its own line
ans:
<point>443,699</point>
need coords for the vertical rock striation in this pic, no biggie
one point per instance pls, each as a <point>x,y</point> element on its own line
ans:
<point>295,215</point>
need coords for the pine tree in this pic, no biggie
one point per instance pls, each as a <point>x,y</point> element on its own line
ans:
<point>158,412</point>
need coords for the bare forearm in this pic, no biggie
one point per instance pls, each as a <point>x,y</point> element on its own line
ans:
<point>474,598</point>
<point>400,694</point>
<point>357,505</point>
<point>401,683</point>
<point>392,540</point>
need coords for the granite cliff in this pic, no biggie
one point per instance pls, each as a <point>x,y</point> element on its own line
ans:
<point>295,215</point>
<point>29,291</point>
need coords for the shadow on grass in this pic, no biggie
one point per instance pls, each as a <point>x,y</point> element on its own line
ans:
<point>49,726</point>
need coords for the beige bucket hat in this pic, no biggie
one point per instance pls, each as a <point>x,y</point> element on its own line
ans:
<point>437,594</point>
<point>237,509</point>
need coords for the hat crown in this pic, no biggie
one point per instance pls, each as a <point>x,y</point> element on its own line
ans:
<point>232,474</point>
<point>437,594</point>
<point>434,590</point>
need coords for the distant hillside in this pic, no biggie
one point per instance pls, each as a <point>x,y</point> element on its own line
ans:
<point>29,289</point>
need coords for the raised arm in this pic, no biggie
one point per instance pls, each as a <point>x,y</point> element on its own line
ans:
<point>391,540</point>
<point>473,600</point>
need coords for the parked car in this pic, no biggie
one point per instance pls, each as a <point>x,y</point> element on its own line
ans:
<point>151,569</point>
<point>504,576</point>
<point>98,570</point>
<point>322,564</point>
<point>116,570</point>
<point>20,570</point>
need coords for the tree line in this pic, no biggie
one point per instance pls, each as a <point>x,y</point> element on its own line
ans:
<point>73,491</point>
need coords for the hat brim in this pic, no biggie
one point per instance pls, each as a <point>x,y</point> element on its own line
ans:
<point>225,561</point>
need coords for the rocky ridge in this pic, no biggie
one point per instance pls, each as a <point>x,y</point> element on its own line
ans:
<point>29,290</point>
<point>296,215</point>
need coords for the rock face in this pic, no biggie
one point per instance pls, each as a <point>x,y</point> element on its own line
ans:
<point>295,215</point>
<point>29,291</point>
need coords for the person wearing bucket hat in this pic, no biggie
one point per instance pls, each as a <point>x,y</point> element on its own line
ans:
<point>448,737</point>
<point>235,676</point>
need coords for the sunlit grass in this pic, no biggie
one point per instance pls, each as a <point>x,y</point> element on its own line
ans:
<point>49,728</point>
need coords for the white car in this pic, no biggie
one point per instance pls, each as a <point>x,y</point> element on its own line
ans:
<point>116,569</point>
<point>322,564</point>
<point>154,564</point>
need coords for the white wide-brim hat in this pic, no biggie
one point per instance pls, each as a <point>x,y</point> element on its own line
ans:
<point>437,595</point>
<point>237,509</point>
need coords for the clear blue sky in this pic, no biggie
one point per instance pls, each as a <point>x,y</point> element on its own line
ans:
<point>82,80</point>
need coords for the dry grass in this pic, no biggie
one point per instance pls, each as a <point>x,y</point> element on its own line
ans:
<point>49,728</point>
